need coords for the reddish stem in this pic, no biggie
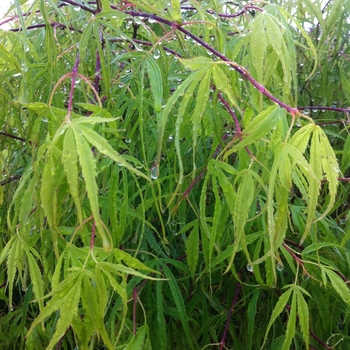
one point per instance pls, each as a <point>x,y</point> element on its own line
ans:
<point>234,302</point>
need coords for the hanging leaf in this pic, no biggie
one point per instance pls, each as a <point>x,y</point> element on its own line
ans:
<point>88,167</point>
<point>192,250</point>
<point>258,128</point>
<point>197,62</point>
<point>156,82</point>
<point>69,160</point>
<point>258,44</point>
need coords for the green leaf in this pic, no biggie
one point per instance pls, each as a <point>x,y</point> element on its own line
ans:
<point>279,307</point>
<point>69,160</point>
<point>161,334</point>
<point>345,160</point>
<point>192,250</point>
<point>258,44</point>
<point>27,201</point>
<point>131,261</point>
<point>330,168</point>
<point>201,104</point>
<point>36,278</point>
<point>222,82</point>
<point>94,310</point>
<point>243,203</point>
<point>179,120</point>
<point>66,292</point>
<point>306,37</point>
<point>196,63</point>
<point>48,190</point>
<point>156,82</point>
<point>338,284</point>
<point>303,312</point>
<point>120,269</point>
<point>261,125</point>
<point>138,340</point>
<point>105,148</point>
<point>290,333</point>
<point>88,167</point>
<point>179,302</point>
<point>176,11</point>
<point>14,255</point>
<point>251,314</point>
<point>68,310</point>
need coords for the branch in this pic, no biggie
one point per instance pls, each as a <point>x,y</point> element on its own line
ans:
<point>241,70</point>
<point>13,136</point>
<point>234,302</point>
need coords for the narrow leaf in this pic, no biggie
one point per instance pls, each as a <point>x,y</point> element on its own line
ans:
<point>156,82</point>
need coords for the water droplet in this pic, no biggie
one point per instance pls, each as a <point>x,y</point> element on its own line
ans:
<point>336,168</point>
<point>280,267</point>
<point>154,173</point>
<point>298,123</point>
<point>134,240</point>
<point>314,110</point>
<point>171,137</point>
<point>174,232</point>
<point>306,112</point>
<point>10,308</point>
<point>128,140</point>
<point>76,8</point>
<point>250,268</point>
<point>156,54</point>
<point>209,53</point>
<point>151,20</point>
<point>24,288</point>
<point>138,48</point>
<point>167,250</point>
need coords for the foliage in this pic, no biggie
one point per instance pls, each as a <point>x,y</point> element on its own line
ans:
<point>174,175</point>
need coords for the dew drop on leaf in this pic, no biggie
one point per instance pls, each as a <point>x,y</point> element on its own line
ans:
<point>167,250</point>
<point>154,173</point>
<point>250,268</point>
<point>280,267</point>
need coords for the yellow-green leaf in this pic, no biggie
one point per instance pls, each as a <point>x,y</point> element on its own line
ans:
<point>69,160</point>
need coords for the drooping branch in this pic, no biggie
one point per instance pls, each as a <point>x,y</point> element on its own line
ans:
<point>241,70</point>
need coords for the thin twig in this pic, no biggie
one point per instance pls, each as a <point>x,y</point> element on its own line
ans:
<point>234,302</point>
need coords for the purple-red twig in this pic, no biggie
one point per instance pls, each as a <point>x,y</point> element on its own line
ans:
<point>234,302</point>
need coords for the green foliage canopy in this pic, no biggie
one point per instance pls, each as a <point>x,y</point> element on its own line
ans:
<point>174,175</point>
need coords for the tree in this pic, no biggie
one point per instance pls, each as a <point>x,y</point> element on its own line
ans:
<point>175,175</point>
